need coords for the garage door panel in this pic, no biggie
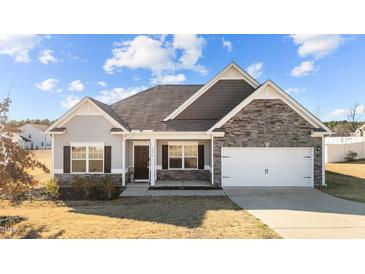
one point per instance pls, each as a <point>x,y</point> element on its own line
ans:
<point>267,166</point>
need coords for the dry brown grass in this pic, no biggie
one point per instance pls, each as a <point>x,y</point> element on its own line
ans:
<point>346,180</point>
<point>43,156</point>
<point>355,168</point>
<point>142,217</point>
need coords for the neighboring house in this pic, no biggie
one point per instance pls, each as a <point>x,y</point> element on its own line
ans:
<point>360,131</point>
<point>15,137</point>
<point>39,139</point>
<point>23,142</point>
<point>232,131</point>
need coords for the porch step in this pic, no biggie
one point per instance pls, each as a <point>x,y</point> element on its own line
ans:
<point>156,187</point>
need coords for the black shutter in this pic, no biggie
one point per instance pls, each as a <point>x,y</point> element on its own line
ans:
<point>66,159</point>
<point>201,156</point>
<point>165,156</point>
<point>107,159</point>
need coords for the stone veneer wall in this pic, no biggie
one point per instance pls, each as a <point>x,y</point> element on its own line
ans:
<point>64,180</point>
<point>187,175</point>
<point>269,121</point>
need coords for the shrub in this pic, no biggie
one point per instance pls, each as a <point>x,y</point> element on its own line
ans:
<point>106,187</point>
<point>52,188</point>
<point>351,155</point>
<point>81,186</point>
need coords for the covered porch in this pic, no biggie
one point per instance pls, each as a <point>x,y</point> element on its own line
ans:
<point>179,160</point>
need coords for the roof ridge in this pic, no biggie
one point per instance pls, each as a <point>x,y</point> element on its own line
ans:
<point>152,88</point>
<point>143,91</point>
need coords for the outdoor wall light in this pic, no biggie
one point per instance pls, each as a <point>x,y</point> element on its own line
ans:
<point>318,149</point>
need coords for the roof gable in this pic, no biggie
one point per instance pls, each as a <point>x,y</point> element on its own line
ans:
<point>89,106</point>
<point>269,90</point>
<point>217,101</point>
<point>231,72</point>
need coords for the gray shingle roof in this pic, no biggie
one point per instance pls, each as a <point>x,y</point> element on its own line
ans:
<point>58,129</point>
<point>147,109</point>
<point>217,101</point>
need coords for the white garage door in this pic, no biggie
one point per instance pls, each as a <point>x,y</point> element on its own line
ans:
<point>267,166</point>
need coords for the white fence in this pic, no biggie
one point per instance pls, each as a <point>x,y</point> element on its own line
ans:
<point>344,140</point>
<point>337,148</point>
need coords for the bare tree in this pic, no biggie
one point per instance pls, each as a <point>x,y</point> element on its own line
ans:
<point>353,116</point>
<point>318,111</point>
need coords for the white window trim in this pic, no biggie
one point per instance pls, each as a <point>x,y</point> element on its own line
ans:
<point>87,145</point>
<point>183,144</point>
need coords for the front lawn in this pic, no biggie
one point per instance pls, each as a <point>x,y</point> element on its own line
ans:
<point>43,156</point>
<point>346,180</point>
<point>130,217</point>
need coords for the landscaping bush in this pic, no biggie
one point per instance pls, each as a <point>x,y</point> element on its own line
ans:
<point>52,188</point>
<point>106,188</point>
<point>350,156</point>
<point>81,186</point>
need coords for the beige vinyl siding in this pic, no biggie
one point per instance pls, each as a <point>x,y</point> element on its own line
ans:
<point>88,128</point>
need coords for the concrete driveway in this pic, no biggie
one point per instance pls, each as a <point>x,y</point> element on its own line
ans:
<point>302,212</point>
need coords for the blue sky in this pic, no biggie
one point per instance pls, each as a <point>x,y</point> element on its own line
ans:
<point>47,74</point>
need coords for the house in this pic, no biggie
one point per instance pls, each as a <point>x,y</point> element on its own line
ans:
<point>23,142</point>
<point>38,138</point>
<point>360,131</point>
<point>231,131</point>
<point>15,137</point>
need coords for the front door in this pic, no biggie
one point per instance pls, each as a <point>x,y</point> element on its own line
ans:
<point>141,162</point>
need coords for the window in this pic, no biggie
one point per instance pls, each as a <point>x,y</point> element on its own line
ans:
<point>78,156</point>
<point>96,159</point>
<point>175,157</point>
<point>191,156</point>
<point>42,144</point>
<point>29,136</point>
<point>87,159</point>
<point>183,156</point>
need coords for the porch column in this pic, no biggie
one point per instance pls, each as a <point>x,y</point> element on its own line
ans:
<point>153,161</point>
<point>52,152</point>
<point>123,161</point>
<point>212,159</point>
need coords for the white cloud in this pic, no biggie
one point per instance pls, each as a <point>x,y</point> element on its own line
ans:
<point>303,69</point>
<point>47,85</point>
<point>102,84</point>
<point>46,56</point>
<point>76,86</point>
<point>157,54</point>
<point>116,94</point>
<point>70,101</point>
<point>192,49</point>
<point>337,113</point>
<point>227,45</point>
<point>141,52</point>
<point>317,45</point>
<point>18,46</point>
<point>168,79</point>
<point>295,90</point>
<point>255,70</point>
<point>342,113</point>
